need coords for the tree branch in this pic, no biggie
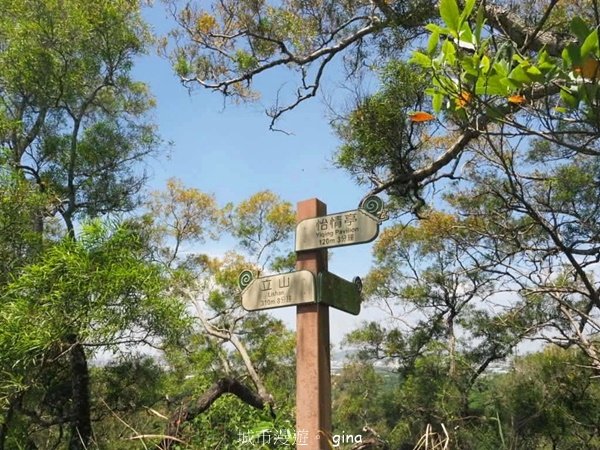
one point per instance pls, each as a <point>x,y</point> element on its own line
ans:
<point>193,409</point>
<point>523,35</point>
<point>420,175</point>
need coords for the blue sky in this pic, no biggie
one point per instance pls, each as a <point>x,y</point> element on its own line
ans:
<point>231,153</point>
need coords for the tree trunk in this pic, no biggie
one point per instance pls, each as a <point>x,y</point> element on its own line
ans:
<point>81,424</point>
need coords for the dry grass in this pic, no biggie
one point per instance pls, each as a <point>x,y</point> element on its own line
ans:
<point>433,441</point>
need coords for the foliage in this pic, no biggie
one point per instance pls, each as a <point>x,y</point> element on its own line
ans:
<point>502,183</point>
<point>482,131</point>
<point>262,222</point>
<point>549,399</point>
<point>76,120</point>
<point>487,78</point>
<point>73,125</point>
<point>377,133</point>
<point>543,400</point>
<point>223,45</point>
<point>19,243</point>
<point>122,286</point>
<point>226,340</point>
<point>110,296</point>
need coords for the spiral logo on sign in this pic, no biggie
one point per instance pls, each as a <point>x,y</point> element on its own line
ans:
<point>373,205</point>
<point>245,279</point>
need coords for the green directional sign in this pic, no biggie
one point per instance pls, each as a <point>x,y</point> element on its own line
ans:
<point>339,293</point>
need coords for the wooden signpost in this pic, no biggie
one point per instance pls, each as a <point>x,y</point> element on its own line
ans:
<point>313,371</point>
<point>313,289</point>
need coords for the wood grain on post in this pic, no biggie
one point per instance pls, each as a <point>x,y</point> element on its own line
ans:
<point>313,375</point>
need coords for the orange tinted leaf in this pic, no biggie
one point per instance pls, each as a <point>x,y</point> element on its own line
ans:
<point>590,69</point>
<point>420,116</point>
<point>516,99</point>
<point>463,99</point>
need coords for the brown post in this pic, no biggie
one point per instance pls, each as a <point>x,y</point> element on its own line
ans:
<point>313,375</point>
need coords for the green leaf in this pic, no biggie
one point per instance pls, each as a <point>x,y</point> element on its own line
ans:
<point>571,56</point>
<point>469,4</point>
<point>480,21</point>
<point>433,42</point>
<point>590,44</point>
<point>436,29</point>
<point>449,52</point>
<point>449,13</point>
<point>580,28</point>
<point>570,100</point>
<point>490,86</point>
<point>484,64</point>
<point>534,73</point>
<point>466,35</point>
<point>519,75</point>
<point>437,101</point>
<point>545,64</point>
<point>182,68</point>
<point>510,85</point>
<point>420,59</point>
<point>245,60</point>
<point>501,68</point>
<point>518,58</point>
<point>470,65</point>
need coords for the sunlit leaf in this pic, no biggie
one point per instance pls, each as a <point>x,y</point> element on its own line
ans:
<point>469,4</point>
<point>420,59</point>
<point>484,64</point>
<point>590,44</point>
<point>437,101</point>
<point>449,13</point>
<point>432,44</point>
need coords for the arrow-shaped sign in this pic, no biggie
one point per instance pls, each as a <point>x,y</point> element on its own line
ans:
<point>339,293</point>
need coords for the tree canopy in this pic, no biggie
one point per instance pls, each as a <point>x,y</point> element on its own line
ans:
<point>73,125</point>
<point>479,123</point>
<point>482,132</point>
